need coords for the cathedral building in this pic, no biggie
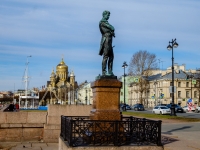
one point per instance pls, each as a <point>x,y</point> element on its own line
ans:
<point>61,87</point>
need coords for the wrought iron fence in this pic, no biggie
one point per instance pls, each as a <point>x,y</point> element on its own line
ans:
<point>81,131</point>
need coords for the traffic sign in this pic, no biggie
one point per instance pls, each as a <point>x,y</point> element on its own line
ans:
<point>136,79</point>
<point>193,81</point>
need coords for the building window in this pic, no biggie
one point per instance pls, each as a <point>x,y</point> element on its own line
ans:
<point>187,94</point>
<point>179,84</point>
<point>148,94</point>
<point>195,94</point>
<point>170,94</point>
<point>179,94</point>
<point>170,83</point>
<point>187,84</point>
<point>121,93</point>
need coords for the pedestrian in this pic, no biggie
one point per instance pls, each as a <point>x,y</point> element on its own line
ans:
<point>17,107</point>
<point>11,107</point>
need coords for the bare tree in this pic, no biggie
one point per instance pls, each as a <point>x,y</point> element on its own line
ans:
<point>141,66</point>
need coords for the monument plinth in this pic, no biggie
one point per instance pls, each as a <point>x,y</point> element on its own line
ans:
<point>106,99</point>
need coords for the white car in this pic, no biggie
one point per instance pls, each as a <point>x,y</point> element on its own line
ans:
<point>186,108</point>
<point>161,110</point>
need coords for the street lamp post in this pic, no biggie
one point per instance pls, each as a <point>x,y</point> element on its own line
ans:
<point>86,96</point>
<point>89,96</point>
<point>155,90</point>
<point>70,92</point>
<point>191,77</point>
<point>131,97</point>
<point>172,45</point>
<point>124,66</point>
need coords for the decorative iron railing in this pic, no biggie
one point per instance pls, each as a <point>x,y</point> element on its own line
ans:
<point>81,131</point>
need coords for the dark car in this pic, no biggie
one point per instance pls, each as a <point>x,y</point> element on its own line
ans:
<point>127,107</point>
<point>137,107</point>
<point>178,108</point>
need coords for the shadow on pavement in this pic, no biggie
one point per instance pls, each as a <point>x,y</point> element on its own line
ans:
<point>167,140</point>
<point>182,128</point>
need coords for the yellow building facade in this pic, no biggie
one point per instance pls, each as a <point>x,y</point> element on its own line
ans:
<point>159,88</point>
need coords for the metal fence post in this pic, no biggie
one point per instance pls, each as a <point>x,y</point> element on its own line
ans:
<point>159,143</point>
<point>144,129</point>
<point>116,133</point>
<point>64,128</point>
<point>131,125</point>
<point>70,132</point>
<point>61,126</point>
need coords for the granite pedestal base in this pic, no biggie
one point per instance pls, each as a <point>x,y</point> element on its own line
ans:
<point>106,99</point>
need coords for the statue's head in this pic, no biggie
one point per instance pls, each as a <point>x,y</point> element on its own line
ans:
<point>106,14</point>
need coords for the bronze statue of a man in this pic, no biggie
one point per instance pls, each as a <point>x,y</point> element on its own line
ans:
<point>106,49</point>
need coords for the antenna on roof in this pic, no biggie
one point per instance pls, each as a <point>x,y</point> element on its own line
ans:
<point>162,64</point>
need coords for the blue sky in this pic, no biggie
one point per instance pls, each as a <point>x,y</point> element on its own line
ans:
<point>48,30</point>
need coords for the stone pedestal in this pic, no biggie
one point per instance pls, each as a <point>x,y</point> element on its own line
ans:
<point>106,99</point>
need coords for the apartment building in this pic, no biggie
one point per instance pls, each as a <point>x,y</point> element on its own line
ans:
<point>84,94</point>
<point>186,83</point>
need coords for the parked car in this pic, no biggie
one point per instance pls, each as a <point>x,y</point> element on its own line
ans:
<point>186,109</point>
<point>161,110</point>
<point>127,107</point>
<point>162,105</point>
<point>197,110</point>
<point>137,107</point>
<point>178,108</point>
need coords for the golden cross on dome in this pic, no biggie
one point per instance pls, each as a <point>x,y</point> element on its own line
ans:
<point>62,56</point>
